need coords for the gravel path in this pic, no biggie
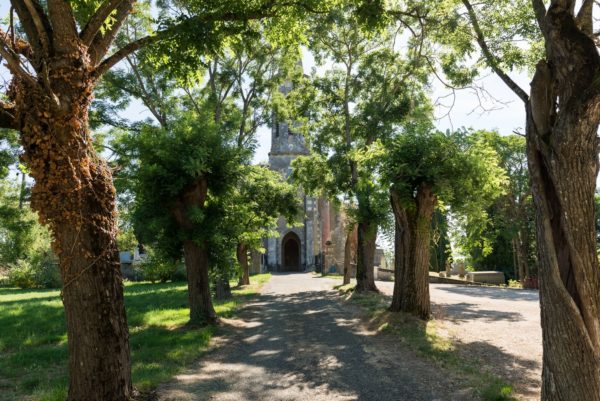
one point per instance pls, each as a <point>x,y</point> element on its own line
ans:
<point>498,326</point>
<point>298,341</point>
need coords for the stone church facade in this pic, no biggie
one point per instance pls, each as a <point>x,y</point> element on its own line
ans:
<point>322,233</point>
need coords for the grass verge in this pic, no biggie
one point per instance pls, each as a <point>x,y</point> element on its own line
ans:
<point>33,340</point>
<point>424,338</point>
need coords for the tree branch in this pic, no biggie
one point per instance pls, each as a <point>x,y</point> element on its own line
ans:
<point>585,19</point>
<point>490,59</point>
<point>540,14</point>
<point>64,27</point>
<point>27,23</point>
<point>14,63</point>
<point>42,27</point>
<point>88,33</point>
<point>101,43</point>
<point>125,51</point>
<point>7,115</point>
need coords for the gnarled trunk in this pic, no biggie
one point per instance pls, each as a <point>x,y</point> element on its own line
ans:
<point>411,248</point>
<point>562,148</point>
<point>350,255</point>
<point>365,256</point>
<point>242,258</point>
<point>74,195</point>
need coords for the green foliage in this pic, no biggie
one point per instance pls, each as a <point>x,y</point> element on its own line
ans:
<point>370,90</point>
<point>463,173</point>
<point>33,339</point>
<point>498,390</point>
<point>159,268</point>
<point>24,243</point>
<point>510,218</point>
<point>441,251</point>
<point>9,150</point>
<point>42,273</point>
<point>162,165</point>
<point>509,28</point>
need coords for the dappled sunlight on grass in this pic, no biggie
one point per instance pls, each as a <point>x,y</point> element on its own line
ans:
<point>33,340</point>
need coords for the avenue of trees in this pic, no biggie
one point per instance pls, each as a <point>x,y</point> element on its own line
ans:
<point>182,183</point>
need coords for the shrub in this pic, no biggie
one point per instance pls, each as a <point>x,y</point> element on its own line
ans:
<point>515,284</point>
<point>21,275</point>
<point>42,273</point>
<point>158,268</point>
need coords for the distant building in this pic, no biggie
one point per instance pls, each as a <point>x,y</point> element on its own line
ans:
<point>302,248</point>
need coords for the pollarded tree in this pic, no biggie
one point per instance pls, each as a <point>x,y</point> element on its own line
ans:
<point>55,66</point>
<point>177,177</point>
<point>423,167</point>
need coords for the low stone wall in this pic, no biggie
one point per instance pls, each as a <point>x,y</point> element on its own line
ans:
<point>487,277</point>
<point>385,274</point>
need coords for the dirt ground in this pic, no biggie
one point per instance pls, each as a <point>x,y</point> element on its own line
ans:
<point>299,341</point>
<point>498,326</point>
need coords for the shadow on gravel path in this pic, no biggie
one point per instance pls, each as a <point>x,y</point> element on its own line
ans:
<point>298,341</point>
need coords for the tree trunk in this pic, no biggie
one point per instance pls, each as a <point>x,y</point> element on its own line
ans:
<point>515,262</point>
<point>411,248</point>
<point>350,255</point>
<point>196,262</point>
<point>523,253</point>
<point>222,288</point>
<point>74,195</point>
<point>562,149</point>
<point>365,256</point>
<point>242,257</point>
<point>196,256</point>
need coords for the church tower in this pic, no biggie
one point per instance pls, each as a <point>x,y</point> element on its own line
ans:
<point>293,249</point>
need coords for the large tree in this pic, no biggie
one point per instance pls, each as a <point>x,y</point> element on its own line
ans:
<point>177,177</point>
<point>424,167</point>
<point>562,118</point>
<point>55,67</point>
<point>370,88</point>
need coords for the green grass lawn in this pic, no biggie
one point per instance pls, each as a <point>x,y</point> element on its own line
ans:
<point>33,340</point>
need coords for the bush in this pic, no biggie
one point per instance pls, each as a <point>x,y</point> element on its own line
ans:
<point>515,284</point>
<point>34,274</point>
<point>157,268</point>
<point>21,275</point>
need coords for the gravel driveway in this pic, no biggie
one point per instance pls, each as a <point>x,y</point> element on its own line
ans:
<point>298,341</point>
<point>498,326</point>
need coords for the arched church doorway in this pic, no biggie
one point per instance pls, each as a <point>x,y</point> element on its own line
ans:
<point>290,246</point>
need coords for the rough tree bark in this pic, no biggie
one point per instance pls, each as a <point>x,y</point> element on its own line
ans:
<point>562,148</point>
<point>365,256</point>
<point>242,257</point>
<point>563,114</point>
<point>196,255</point>
<point>411,249</point>
<point>350,255</point>
<point>196,262</point>
<point>73,191</point>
